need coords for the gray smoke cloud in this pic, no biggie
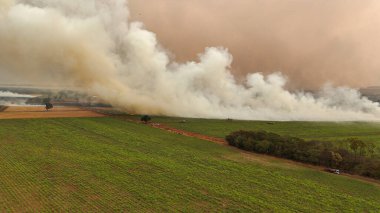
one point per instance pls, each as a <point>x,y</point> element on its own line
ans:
<point>92,45</point>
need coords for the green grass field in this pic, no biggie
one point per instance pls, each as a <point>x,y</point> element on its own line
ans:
<point>329,131</point>
<point>106,164</point>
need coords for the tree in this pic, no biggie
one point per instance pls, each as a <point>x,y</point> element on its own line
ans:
<point>146,119</point>
<point>262,146</point>
<point>336,158</point>
<point>48,106</point>
<point>371,149</point>
<point>357,145</point>
<point>47,103</point>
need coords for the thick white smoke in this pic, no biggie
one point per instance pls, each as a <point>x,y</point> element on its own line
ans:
<point>13,99</point>
<point>90,44</point>
<point>7,94</point>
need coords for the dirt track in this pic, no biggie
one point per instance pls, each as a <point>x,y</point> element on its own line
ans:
<point>19,112</point>
<point>189,134</point>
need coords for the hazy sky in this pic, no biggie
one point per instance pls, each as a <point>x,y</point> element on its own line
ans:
<point>90,45</point>
<point>311,41</point>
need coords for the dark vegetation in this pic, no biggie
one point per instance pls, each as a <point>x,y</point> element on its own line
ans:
<point>47,103</point>
<point>359,158</point>
<point>146,118</point>
<point>3,108</point>
<point>48,106</point>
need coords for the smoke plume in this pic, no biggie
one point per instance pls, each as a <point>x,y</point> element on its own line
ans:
<point>92,45</point>
<point>13,99</point>
<point>7,94</point>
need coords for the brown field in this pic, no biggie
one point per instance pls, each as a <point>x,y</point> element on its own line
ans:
<point>19,112</point>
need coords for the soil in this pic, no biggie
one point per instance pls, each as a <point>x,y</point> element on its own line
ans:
<point>21,112</point>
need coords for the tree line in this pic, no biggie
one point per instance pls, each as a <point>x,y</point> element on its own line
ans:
<point>358,158</point>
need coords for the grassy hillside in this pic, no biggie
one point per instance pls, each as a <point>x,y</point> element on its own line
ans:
<point>105,164</point>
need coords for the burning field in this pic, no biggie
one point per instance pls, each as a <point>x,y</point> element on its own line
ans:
<point>296,98</point>
<point>19,112</point>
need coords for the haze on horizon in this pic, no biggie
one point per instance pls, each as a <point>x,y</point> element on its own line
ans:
<point>311,42</point>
